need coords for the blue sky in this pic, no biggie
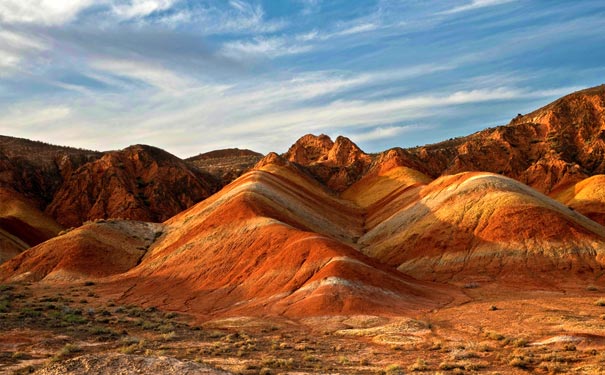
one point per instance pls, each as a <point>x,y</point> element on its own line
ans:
<point>193,76</point>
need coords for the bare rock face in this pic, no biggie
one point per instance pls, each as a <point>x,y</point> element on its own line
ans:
<point>126,365</point>
<point>559,144</point>
<point>139,183</point>
<point>336,164</point>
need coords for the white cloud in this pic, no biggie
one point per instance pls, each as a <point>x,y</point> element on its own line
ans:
<point>150,74</point>
<point>47,12</point>
<point>14,47</point>
<point>476,4</point>
<point>385,132</point>
<point>240,17</point>
<point>310,6</point>
<point>141,8</point>
<point>34,118</point>
<point>356,29</point>
<point>261,47</point>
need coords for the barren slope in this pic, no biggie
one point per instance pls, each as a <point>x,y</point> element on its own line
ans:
<point>35,169</point>
<point>482,225</point>
<point>226,165</point>
<point>586,197</point>
<point>91,251</point>
<point>559,144</point>
<point>22,225</point>
<point>272,242</point>
<point>337,164</point>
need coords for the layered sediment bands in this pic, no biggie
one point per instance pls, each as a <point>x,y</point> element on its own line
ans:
<point>94,250</point>
<point>22,225</point>
<point>483,224</point>
<point>587,197</point>
<point>272,242</point>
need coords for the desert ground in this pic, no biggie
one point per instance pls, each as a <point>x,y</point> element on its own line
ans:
<point>486,329</point>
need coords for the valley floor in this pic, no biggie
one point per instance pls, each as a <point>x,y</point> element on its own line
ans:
<point>52,329</point>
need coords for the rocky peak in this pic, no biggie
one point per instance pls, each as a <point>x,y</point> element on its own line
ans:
<point>271,158</point>
<point>309,149</point>
<point>335,164</point>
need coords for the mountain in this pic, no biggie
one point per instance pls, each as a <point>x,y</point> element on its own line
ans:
<point>227,164</point>
<point>559,144</point>
<point>36,169</point>
<point>477,224</point>
<point>138,183</point>
<point>327,229</point>
<point>273,242</point>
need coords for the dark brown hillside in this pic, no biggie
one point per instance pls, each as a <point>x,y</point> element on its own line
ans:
<point>139,183</point>
<point>226,165</point>
<point>37,169</point>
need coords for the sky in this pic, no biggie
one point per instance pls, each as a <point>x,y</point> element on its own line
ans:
<point>191,76</point>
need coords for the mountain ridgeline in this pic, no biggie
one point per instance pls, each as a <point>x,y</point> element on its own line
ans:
<point>322,228</point>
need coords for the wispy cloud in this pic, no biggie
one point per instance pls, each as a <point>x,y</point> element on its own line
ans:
<point>386,132</point>
<point>195,75</point>
<point>141,8</point>
<point>34,118</point>
<point>156,76</point>
<point>475,4</point>
<point>262,47</point>
<point>14,47</point>
<point>41,11</point>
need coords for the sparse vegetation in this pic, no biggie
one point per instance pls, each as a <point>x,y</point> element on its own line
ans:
<point>419,365</point>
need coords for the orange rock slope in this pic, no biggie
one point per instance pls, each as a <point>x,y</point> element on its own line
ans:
<point>586,197</point>
<point>272,242</point>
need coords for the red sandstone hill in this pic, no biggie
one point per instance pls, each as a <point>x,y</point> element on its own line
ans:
<point>272,242</point>
<point>94,250</point>
<point>481,225</point>
<point>138,183</point>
